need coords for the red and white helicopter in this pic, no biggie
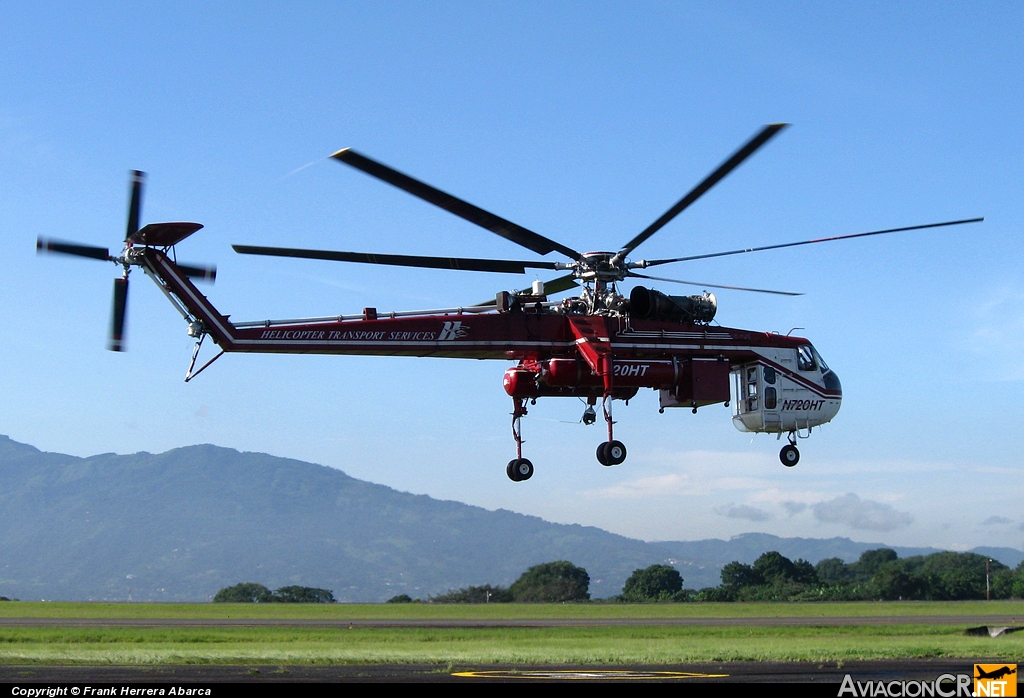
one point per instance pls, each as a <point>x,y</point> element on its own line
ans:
<point>599,345</point>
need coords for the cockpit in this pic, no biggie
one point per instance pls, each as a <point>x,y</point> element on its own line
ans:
<point>784,391</point>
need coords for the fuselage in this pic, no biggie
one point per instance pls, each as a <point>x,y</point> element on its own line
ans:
<point>775,383</point>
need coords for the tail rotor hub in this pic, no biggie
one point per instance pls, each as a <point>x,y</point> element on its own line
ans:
<point>136,242</point>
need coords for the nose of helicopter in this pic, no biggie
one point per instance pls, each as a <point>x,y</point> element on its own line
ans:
<point>835,389</point>
<point>832,383</point>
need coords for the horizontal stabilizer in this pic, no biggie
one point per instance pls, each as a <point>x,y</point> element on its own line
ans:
<point>163,234</point>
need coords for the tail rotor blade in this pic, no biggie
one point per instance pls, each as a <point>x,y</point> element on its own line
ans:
<point>117,342</point>
<point>137,180</point>
<point>199,273</point>
<point>72,248</point>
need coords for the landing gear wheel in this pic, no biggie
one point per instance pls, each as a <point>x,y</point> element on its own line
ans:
<point>611,453</point>
<point>519,470</point>
<point>789,455</point>
<point>615,452</point>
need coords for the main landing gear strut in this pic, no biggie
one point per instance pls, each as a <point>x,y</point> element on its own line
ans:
<point>518,469</point>
<point>790,455</point>
<point>610,452</point>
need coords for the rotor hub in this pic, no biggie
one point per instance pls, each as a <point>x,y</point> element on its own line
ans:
<point>600,267</point>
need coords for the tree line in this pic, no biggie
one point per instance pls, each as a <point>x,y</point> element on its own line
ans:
<point>562,582</point>
<point>878,575</point>
<point>251,592</point>
<point>551,582</point>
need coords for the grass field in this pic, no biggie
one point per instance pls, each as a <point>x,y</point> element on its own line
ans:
<point>511,611</point>
<point>634,642</point>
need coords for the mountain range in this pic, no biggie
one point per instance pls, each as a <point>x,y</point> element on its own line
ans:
<point>180,525</point>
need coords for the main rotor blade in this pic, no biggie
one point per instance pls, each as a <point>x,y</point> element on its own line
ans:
<point>731,288</point>
<point>72,248</point>
<point>555,286</point>
<point>400,260</point>
<point>711,180</point>
<point>656,262</point>
<point>117,315</point>
<point>136,203</point>
<point>506,229</point>
<point>562,283</point>
<point>200,273</point>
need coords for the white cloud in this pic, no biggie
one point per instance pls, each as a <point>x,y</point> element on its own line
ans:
<point>712,459</point>
<point>781,495</point>
<point>660,485</point>
<point>863,514</point>
<point>996,520</point>
<point>696,473</point>
<point>743,511</point>
<point>793,508</point>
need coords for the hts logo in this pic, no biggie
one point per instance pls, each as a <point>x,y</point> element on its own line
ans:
<point>995,680</point>
<point>453,330</point>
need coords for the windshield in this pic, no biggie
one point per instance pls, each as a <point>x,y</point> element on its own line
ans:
<point>821,361</point>
<point>805,357</point>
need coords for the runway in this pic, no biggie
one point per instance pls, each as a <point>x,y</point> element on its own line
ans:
<point>720,672</point>
<point>808,621</point>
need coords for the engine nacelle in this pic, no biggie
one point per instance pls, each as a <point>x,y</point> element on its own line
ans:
<point>648,304</point>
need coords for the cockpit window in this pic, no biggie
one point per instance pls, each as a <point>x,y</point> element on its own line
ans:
<point>821,361</point>
<point>769,375</point>
<point>805,357</point>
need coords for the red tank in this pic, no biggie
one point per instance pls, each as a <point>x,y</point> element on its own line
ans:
<point>524,383</point>
<point>640,374</point>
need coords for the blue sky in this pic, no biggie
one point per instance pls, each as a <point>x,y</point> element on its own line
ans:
<point>584,122</point>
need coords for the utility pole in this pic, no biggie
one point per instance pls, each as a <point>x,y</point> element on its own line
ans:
<point>988,588</point>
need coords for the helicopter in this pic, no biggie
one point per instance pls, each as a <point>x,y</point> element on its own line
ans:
<point>598,346</point>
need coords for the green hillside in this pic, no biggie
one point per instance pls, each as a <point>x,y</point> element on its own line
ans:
<point>180,525</point>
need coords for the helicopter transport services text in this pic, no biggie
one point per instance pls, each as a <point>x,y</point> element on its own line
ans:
<point>364,335</point>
